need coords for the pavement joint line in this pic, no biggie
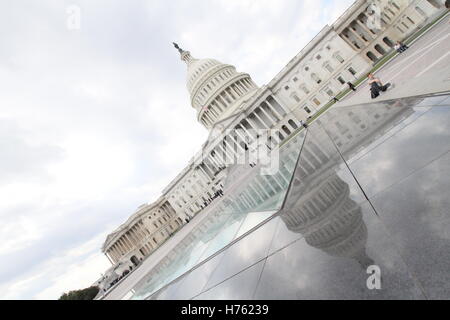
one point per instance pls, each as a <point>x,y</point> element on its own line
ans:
<point>432,65</point>
<point>411,62</point>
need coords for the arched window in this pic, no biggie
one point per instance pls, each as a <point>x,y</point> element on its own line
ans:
<point>388,42</point>
<point>286,130</point>
<point>292,124</point>
<point>380,49</point>
<point>372,56</point>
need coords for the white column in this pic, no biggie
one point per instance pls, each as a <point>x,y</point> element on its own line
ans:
<point>232,88</point>
<point>129,243</point>
<point>125,244</point>
<point>215,110</point>
<point>206,175</point>
<point>121,246</point>
<point>229,96</point>
<point>221,147</point>
<point>281,117</point>
<point>270,118</point>
<point>223,100</point>
<point>237,89</point>
<point>116,254</point>
<point>219,100</point>
<point>358,35</point>
<point>242,87</point>
<point>252,123</point>
<point>112,254</point>
<point>208,116</point>
<point>214,160</point>
<point>260,119</point>
<point>247,132</point>
<point>216,104</point>
<point>237,142</point>
<point>349,42</point>
<point>365,28</point>
<point>232,150</point>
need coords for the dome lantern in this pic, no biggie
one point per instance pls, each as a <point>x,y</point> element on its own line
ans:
<point>216,89</point>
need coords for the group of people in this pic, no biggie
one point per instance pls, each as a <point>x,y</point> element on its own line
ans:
<point>218,193</point>
<point>400,47</point>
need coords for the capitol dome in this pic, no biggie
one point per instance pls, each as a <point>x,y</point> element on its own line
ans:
<point>216,89</point>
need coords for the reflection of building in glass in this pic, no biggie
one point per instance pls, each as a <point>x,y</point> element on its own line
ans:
<point>328,219</point>
<point>318,205</point>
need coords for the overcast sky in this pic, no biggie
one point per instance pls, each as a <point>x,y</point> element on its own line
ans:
<point>96,121</point>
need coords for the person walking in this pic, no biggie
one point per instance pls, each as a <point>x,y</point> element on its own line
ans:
<point>351,86</point>
<point>376,86</point>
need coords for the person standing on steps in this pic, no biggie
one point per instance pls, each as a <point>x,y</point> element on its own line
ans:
<point>376,86</point>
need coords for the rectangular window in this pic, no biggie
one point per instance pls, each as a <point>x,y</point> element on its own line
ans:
<point>329,68</point>
<point>316,101</point>
<point>307,109</point>
<point>352,71</point>
<point>341,80</point>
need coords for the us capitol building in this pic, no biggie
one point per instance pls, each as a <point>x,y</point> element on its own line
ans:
<point>233,108</point>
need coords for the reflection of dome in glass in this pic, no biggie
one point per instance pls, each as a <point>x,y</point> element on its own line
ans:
<point>216,89</point>
<point>329,220</point>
